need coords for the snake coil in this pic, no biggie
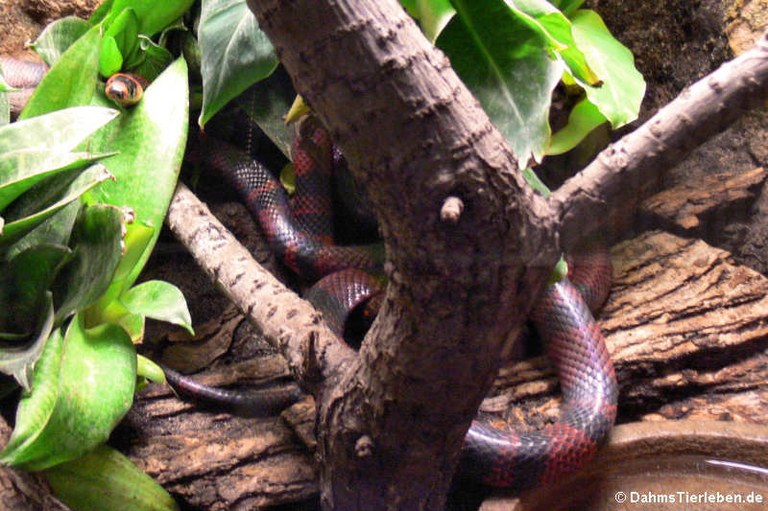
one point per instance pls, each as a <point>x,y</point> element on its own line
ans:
<point>562,316</point>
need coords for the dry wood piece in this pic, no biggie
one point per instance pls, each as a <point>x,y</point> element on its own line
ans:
<point>687,207</point>
<point>687,330</point>
<point>213,460</point>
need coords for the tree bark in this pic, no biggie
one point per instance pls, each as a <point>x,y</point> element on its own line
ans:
<point>458,290</point>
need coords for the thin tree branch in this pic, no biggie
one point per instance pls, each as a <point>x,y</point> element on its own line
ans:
<point>613,185</point>
<point>290,323</point>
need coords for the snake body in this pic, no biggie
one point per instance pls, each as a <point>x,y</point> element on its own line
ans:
<point>24,75</point>
<point>562,318</point>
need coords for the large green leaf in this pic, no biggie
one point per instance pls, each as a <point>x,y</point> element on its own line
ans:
<point>120,42</point>
<point>19,360</point>
<point>100,13</point>
<point>623,88</point>
<point>36,406</point>
<point>153,16</point>
<point>72,81</point>
<point>33,208</point>
<point>150,139</point>
<point>58,131</point>
<point>54,40</point>
<point>235,53</point>
<point>96,242</point>
<point>55,230</point>
<point>555,28</point>
<point>106,480</point>
<point>24,283</point>
<point>151,59</point>
<point>506,65</point>
<point>22,170</point>
<point>86,382</point>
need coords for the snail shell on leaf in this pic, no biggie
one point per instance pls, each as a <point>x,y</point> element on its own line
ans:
<point>125,89</point>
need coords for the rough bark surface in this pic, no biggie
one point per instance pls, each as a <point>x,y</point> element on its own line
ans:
<point>458,291</point>
<point>685,326</point>
<point>213,460</point>
<point>682,322</point>
<point>696,207</point>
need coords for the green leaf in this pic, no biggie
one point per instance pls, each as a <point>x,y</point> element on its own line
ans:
<point>32,208</point>
<point>19,361</point>
<point>24,283</point>
<point>582,120</point>
<point>150,60</point>
<point>45,166</point>
<point>138,242</point>
<point>556,30</point>
<point>58,131</point>
<point>158,300</point>
<point>235,53</point>
<point>36,406</point>
<point>150,139</point>
<point>86,391</point>
<point>121,41</point>
<point>96,242</point>
<point>110,57</point>
<point>59,35</point>
<point>21,170</point>
<point>55,230</point>
<point>72,81</point>
<point>623,88</point>
<point>100,13</point>
<point>153,16</point>
<point>106,480</point>
<point>432,15</point>
<point>506,66</point>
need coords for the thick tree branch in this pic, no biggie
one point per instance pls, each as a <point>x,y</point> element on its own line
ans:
<point>459,289</point>
<point>629,171</point>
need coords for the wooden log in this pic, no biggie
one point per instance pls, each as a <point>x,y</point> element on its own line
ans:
<point>703,204</point>
<point>213,460</point>
<point>688,333</point>
<point>687,330</point>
